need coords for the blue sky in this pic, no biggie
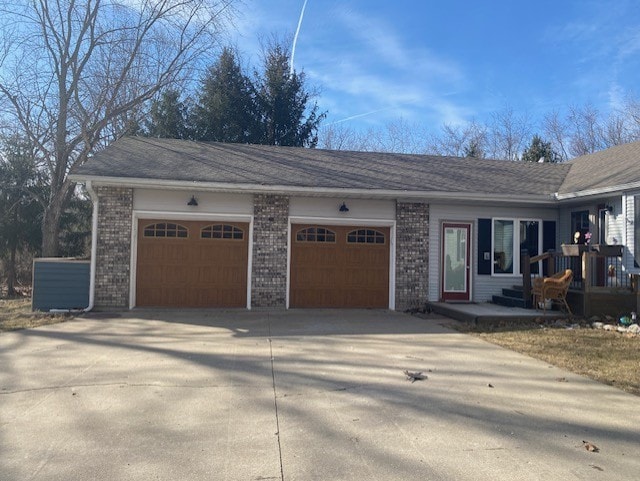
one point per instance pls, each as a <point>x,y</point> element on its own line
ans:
<point>433,62</point>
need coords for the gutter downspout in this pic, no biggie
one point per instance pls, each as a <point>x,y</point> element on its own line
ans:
<point>94,245</point>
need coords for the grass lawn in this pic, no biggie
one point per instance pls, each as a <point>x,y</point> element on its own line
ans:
<point>609,357</point>
<point>16,314</point>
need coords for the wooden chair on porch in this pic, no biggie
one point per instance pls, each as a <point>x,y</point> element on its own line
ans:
<point>552,288</point>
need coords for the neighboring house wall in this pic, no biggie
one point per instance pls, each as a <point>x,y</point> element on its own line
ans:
<point>270,232</point>
<point>412,255</point>
<point>483,286</point>
<point>113,254</point>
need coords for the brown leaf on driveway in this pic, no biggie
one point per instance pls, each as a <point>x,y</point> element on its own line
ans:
<point>590,447</point>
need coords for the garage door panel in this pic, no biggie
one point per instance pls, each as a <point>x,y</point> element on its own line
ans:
<point>339,273</point>
<point>193,271</point>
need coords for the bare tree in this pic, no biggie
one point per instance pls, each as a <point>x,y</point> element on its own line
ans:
<point>623,124</point>
<point>73,71</point>
<point>459,141</point>
<point>557,131</point>
<point>405,137</point>
<point>586,134</point>
<point>396,136</point>
<point>339,137</point>
<point>632,108</point>
<point>508,134</point>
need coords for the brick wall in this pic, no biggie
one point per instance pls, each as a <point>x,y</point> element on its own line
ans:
<point>269,276</point>
<point>113,254</point>
<point>412,255</point>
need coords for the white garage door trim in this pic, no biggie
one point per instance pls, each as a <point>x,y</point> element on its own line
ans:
<point>357,223</point>
<point>139,214</point>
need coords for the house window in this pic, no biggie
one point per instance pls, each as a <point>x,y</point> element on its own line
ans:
<point>510,237</point>
<point>166,229</point>
<point>579,223</point>
<point>315,234</point>
<point>222,231</point>
<point>365,236</point>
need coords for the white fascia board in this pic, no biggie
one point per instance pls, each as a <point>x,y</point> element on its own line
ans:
<point>412,195</point>
<point>613,190</point>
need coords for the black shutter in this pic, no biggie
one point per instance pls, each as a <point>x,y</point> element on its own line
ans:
<point>484,247</point>
<point>548,240</point>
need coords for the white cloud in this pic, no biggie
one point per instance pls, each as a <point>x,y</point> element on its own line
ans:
<point>377,75</point>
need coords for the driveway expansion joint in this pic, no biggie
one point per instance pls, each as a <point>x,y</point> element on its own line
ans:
<point>275,402</point>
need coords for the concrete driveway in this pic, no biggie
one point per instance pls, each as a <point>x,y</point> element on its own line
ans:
<point>297,395</point>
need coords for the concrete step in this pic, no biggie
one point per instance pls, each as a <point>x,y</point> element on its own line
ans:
<point>510,301</point>
<point>513,292</point>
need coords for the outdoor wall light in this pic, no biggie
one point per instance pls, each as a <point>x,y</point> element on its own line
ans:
<point>193,201</point>
<point>344,208</point>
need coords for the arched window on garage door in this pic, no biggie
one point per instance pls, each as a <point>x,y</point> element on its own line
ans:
<point>315,234</point>
<point>365,236</point>
<point>222,231</point>
<point>166,229</point>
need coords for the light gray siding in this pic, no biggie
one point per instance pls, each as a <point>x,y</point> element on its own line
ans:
<point>60,284</point>
<point>628,222</point>
<point>615,221</point>
<point>483,286</point>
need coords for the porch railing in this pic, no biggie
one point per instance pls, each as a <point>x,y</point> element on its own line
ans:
<point>593,271</point>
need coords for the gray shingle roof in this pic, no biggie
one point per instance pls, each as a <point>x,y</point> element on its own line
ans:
<point>610,168</point>
<point>210,162</point>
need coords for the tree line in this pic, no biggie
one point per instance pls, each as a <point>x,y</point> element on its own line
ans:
<point>273,106</point>
<point>506,135</point>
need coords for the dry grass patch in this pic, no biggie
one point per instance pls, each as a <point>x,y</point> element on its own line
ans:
<point>608,357</point>
<point>16,314</point>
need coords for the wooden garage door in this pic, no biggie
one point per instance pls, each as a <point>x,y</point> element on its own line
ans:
<point>191,264</point>
<point>338,266</point>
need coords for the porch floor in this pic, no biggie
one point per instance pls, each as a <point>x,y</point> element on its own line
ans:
<point>478,313</point>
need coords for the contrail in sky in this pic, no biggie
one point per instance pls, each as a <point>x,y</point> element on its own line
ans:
<point>358,116</point>
<point>295,38</point>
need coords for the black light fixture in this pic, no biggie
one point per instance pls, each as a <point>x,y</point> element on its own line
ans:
<point>344,208</point>
<point>193,201</point>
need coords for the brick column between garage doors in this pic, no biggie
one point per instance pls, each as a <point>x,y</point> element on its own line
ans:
<point>269,276</point>
<point>113,256</point>
<point>412,255</point>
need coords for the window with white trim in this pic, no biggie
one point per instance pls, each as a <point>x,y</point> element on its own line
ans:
<point>509,238</point>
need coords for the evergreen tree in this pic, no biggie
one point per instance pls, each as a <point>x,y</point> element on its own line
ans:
<point>168,117</point>
<point>284,104</point>
<point>22,194</point>
<point>226,111</point>
<point>539,150</point>
<point>473,150</point>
